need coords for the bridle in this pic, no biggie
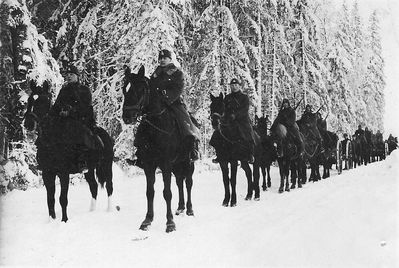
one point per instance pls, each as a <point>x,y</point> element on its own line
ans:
<point>139,108</point>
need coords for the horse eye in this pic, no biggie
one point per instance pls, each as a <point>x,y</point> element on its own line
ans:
<point>127,87</point>
<point>35,97</point>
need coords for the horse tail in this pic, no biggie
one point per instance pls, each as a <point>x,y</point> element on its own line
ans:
<point>104,166</point>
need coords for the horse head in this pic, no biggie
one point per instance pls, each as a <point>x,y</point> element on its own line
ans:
<point>39,103</point>
<point>136,93</point>
<point>217,109</point>
<point>261,125</point>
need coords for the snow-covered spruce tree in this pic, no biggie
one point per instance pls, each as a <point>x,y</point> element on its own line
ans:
<point>25,56</point>
<point>374,80</point>
<point>219,54</point>
<point>341,60</point>
<point>360,59</point>
<point>308,57</point>
<point>279,39</point>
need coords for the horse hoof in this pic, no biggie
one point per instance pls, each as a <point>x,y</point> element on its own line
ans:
<point>64,219</point>
<point>225,204</point>
<point>293,186</point>
<point>248,197</point>
<point>190,212</point>
<point>145,226</point>
<point>233,204</point>
<point>257,198</point>
<point>299,185</point>
<point>269,184</point>
<point>179,211</point>
<point>52,215</point>
<point>170,227</point>
<point>287,189</point>
<point>280,191</point>
<point>264,188</point>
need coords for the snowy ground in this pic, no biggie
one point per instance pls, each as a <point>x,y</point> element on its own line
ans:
<point>350,220</point>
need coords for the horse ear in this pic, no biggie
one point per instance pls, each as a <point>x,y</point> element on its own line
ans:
<point>33,86</point>
<point>221,95</point>
<point>256,118</point>
<point>141,72</point>
<point>127,70</point>
<point>211,96</point>
<point>46,87</point>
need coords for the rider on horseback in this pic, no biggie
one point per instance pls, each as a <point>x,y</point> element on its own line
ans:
<point>73,111</point>
<point>359,131</point>
<point>237,106</point>
<point>287,117</point>
<point>310,120</point>
<point>169,81</point>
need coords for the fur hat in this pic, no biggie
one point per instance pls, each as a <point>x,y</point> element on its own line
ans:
<point>234,81</point>
<point>72,69</point>
<point>164,53</point>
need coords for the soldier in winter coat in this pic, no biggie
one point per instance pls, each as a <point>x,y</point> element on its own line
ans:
<point>287,117</point>
<point>237,108</point>
<point>359,131</point>
<point>74,115</point>
<point>168,80</point>
<point>310,119</point>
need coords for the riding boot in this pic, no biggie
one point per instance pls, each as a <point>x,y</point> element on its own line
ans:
<point>194,152</point>
<point>251,158</point>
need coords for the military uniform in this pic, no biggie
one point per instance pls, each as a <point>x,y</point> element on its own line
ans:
<point>169,81</point>
<point>287,117</point>
<point>73,121</point>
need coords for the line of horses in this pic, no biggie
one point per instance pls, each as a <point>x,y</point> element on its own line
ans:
<point>163,149</point>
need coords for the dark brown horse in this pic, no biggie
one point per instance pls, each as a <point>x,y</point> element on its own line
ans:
<point>162,147</point>
<point>229,151</point>
<point>265,152</point>
<point>56,158</point>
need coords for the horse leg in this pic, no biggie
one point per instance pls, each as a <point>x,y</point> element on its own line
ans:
<point>167,195</point>
<point>248,173</point>
<point>281,166</point>
<point>93,185</point>
<point>180,185</point>
<point>150,177</point>
<point>287,175</point>
<point>225,172</point>
<point>256,177</point>
<point>64,181</point>
<point>263,169</point>
<point>269,179</point>
<point>294,176</point>
<point>49,183</point>
<point>233,182</point>
<point>189,186</point>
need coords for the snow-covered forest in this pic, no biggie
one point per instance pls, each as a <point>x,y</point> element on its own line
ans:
<point>295,49</point>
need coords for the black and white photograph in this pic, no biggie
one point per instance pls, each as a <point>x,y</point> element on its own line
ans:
<point>199,133</point>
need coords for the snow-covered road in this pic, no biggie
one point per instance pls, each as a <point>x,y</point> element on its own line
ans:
<point>350,220</point>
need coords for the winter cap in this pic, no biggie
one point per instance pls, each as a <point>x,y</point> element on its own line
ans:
<point>72,69</point>
<point>286,101</point>
<point>164,53</point>
<point>234,81</point>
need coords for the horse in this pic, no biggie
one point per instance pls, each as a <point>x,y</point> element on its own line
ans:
<point>312,152</point>
<point>328,158</point>
<point>362,150</point>
<point>265,154</point>
<point>162,147</point>
<point>55,157</point>
<point>289,159</point>
<point>229,151</point>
